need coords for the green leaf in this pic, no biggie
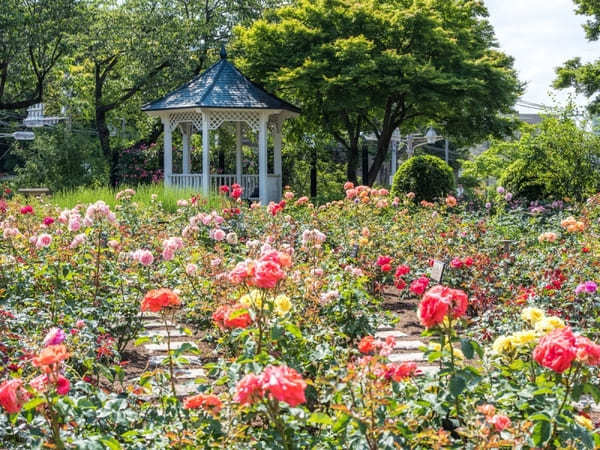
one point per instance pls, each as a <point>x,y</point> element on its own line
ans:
<point>34,403</point>
<point>457,385</point>
<point>293,330</point>
<point>111,443</point>
<point>539,417</point>
<point>467,348</point>
<point>593,390</point>
<point>541,433</point>
<point>141,340</point>
<point>320,418</point>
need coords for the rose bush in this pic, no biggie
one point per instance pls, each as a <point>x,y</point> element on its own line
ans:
<point>283,303</point>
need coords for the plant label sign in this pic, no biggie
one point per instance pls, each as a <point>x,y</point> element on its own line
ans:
<point>437,271</point>
<point>354,251</point>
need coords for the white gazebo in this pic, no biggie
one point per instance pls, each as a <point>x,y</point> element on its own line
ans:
<point>222,95</point>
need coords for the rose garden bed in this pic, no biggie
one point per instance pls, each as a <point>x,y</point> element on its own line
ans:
<point>280,306</point>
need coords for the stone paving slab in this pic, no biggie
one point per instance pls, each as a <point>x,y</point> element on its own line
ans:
<point>429,370</point>
<point>157,324</point>
<point>386,333</point>
<point>163,333</point>
<point>190,374</point>
<point>408,345</point>
<point>407,357</point>
<point>163,346</point>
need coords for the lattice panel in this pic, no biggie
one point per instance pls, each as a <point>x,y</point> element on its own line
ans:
<point>186,117</point>
<point>216,118</point>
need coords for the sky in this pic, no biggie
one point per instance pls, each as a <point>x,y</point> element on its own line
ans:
<point>541,35</point>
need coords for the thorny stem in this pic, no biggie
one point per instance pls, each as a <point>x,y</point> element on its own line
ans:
<point>273,409</point>
<point>52,420</point>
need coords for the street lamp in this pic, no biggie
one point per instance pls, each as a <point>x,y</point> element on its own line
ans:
<point>412,141</point>
<point>19,135</point>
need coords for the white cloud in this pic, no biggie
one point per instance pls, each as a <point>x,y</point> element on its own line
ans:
<point>541,35</point>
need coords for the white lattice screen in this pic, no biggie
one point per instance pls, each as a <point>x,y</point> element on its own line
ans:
<point>186,117</point>
<point>216,118</point>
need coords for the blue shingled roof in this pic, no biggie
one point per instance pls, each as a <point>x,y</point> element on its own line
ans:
<point>221,86</point>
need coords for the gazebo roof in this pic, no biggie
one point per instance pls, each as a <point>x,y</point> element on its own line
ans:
<point>221,86</point>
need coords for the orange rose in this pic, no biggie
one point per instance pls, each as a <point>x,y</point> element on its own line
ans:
<point>51,355</point>
<point>157,299</point>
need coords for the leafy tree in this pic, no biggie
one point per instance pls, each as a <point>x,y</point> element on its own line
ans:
<point>554,160</point>
<point>376,65</point>
<point>35,35</point>
<point>585,78</point>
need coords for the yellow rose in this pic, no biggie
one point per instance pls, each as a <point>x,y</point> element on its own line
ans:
<point>502,345</point>
<point>523,338</point>
<point>532,315</point>
<point>282,304</point>
<point>584,422</point>
<point>435,347</point>
<point>253,298</point>
<point>363,241</point>
<point>548,324</point>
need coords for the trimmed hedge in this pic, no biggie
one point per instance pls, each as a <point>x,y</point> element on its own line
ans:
<point>429,177</point>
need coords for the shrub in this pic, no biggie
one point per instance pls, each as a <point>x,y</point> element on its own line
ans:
<point>59,159</point>
<point>427,176</point>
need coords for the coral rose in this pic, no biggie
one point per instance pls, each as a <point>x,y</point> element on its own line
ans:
<point>556,350</point>
<point>500,422</point>
<point>399,372</point>
<point>587,351</point>
<point>248,390</point>
<point>284,384</point>
<point>237,317</point>
<point>366,345</point>
<point>158,299</point>
<point>208,402</point>
<point>51,355</point>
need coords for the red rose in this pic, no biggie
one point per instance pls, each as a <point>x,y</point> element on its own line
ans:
<point>157,299</point>
<point>284,384</point>
<point>419,285</point>
<point>433,307</point>
<point>468,261</point>
<point>267,274</point>
<point>399,372</point>
<point>248,390</point>
<point>383,260</point>
<point>224,189</point>
<point>237,317</point>
<point>208,402</point>
<point>456,263</point>
<point>556,350</point>
<point>366,345</point>
<point>399,283</point>
<point>13,395</point>
<point>402,270</point>
<point>236,193</point>
<point>48,221</point>
<point>386,268</point>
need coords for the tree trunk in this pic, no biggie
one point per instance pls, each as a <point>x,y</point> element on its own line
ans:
<point>365,164</point>
<point>383,145</point>
<point>313,172</point>
<point>352,167</point>
<point>104,137</point>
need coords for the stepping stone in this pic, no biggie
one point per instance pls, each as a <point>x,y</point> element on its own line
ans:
<point>386,333</point>
<point>156,361</point>
<point>183,390</point>
<point>162,347</point>
<point>408,345</point>
<point>163,333</point>
<point>407,357</point>
<point>190,374</point>
<point>429,370</point>
<point>158,324</point>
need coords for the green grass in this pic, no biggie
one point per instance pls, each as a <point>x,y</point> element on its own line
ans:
<point>143,196</point>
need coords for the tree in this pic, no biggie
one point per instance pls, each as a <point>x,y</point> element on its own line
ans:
<point>585,78</point>
<point>35,35</point>
<point>553,160</point>
<point>359,66</point>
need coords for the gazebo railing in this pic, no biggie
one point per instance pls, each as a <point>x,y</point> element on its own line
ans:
<point>194,181</point>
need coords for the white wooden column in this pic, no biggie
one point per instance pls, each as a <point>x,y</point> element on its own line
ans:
<point>262,159</point>
<point>238,152</point>
<point>168,151</point>
<point>394,167</point>
<point>205,155</point>
<point>277,169</point>
<point>186,131</point>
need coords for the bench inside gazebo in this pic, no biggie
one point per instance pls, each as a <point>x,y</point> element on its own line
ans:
<point>218,96</point>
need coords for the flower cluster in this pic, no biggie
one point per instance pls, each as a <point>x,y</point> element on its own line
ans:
<point>280,383</point>
<point>572,225</point>
<point>157,300</point>
<point>440,302</point>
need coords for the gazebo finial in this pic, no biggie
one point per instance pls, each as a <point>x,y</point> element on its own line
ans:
<point>223,52</point>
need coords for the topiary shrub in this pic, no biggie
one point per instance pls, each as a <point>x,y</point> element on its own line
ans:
<point>427,176</point>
